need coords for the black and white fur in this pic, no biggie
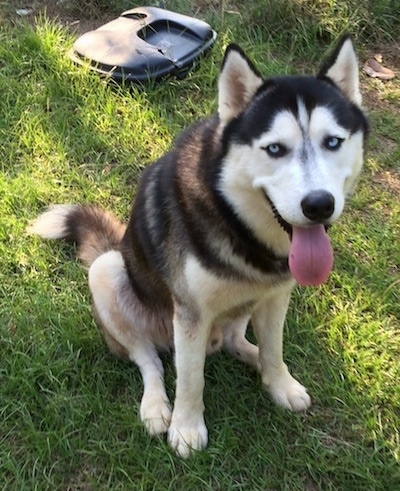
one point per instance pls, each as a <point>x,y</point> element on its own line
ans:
<point>206,247</point>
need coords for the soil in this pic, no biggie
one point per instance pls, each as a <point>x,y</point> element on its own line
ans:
<point>65,12</point>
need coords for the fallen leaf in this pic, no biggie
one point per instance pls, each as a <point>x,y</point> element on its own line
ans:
<point>374,69</point>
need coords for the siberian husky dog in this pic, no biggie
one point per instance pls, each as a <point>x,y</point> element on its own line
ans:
<point>221,228</point>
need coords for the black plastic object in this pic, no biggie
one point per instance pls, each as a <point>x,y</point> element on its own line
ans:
<point>144,43</point>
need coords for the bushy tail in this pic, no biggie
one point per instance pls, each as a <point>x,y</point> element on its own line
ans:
<point>94,231</point>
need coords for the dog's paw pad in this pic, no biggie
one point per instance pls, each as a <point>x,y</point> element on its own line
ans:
<point>155,414</point>
<point>185,440</point>
<point>290,394</point>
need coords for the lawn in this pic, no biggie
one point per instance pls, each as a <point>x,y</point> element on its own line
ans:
<point>68,408</point>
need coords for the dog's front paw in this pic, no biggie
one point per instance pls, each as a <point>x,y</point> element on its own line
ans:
<point>288,393</point>
<point>185,438</point>
<point>155,413</point>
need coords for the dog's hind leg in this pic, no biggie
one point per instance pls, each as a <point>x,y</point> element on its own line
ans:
<point>237,345</point>
<point>155,409</point>
<point>114,304</point>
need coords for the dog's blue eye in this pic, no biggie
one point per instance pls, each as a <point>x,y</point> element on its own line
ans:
<point>275,150</point>
<point>333,142</point>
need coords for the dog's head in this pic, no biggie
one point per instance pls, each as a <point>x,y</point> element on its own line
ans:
<point>298,141</point>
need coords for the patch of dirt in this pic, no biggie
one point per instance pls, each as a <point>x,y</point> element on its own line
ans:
<point>390,55</point>
<point>83,15</point>
<point>373,89</point>
<point>63,12</point>
<point>389,180</point>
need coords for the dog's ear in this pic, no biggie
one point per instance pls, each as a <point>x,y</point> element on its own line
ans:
<point>342,68</point>
<point>238,82</point>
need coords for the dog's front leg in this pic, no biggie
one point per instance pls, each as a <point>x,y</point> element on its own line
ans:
<point>187,430</point>
<point>268,322</point>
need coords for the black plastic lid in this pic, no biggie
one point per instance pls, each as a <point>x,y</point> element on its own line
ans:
<point>144,43</point>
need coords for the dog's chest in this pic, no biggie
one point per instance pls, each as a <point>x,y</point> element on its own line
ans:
<point>226,298</point>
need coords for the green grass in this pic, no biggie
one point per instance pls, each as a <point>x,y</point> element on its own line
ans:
<point>68,409</point>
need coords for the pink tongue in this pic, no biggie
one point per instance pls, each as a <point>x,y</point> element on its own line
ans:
<point>310,256</point>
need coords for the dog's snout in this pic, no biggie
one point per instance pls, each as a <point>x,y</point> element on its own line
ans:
<point>318,205</point>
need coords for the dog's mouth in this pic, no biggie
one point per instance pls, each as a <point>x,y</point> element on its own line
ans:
<point>283,223</point>
<point>310,256</point>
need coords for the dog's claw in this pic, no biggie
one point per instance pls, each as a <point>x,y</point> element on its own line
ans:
<point>290,394</point>
<point>187,439</point>
<point>156,415</point>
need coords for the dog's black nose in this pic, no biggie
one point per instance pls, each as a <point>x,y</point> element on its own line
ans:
<point>318,205</point>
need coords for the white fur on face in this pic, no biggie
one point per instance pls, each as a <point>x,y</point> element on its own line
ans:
<point>237,185</point>
<point>308,166</point>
